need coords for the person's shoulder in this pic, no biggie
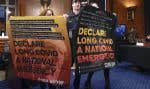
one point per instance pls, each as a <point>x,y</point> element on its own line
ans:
<point>70,13</point>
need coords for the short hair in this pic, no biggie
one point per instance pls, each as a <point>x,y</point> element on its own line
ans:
<point>73,1</point>
<point>48,2</point>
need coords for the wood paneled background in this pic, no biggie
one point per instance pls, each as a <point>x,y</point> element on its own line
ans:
<point>120,8</point>
<point>32,7</point>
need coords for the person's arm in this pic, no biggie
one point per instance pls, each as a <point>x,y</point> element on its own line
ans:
<point>47,12</point>
<point>65,15</point>
<point>43,13</point>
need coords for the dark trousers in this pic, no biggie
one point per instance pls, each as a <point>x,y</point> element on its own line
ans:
<point>27,84</point>
<point>44,85</point>
<point>76,82</point>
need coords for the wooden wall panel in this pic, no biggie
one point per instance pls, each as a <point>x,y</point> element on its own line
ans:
<point>2,26</point>
<point>109,5</point>
<point>32,7</point>
<point>120,8</point>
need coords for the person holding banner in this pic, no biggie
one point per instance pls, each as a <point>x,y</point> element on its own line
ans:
<point>46,11</point>
<point>72,23</point>
<point>72,26</point>
<point>26,83</point>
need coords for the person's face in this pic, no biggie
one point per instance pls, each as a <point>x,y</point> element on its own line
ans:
<point>76,5</point>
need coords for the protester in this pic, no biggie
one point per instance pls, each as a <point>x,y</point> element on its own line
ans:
<point>72,26</point>
<point>46,11</point>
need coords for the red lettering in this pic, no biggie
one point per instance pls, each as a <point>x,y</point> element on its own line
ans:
<point>95,57</point>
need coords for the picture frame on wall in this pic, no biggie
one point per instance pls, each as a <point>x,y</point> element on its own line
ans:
<point>130,13</point>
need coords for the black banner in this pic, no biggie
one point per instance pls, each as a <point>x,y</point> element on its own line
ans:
<point>94,40</point>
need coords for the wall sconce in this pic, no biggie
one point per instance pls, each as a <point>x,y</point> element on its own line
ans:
<point>131,13</point>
